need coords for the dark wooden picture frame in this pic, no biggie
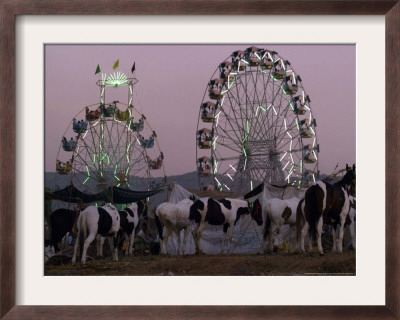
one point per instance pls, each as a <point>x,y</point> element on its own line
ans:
<point>10,9</point>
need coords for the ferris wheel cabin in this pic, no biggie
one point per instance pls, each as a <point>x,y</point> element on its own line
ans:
<point>204,167</point>
<point>204,137</point>
<point>207,111</point>
<point>215,89</point>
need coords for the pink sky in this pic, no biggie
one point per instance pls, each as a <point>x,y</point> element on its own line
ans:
<point>172,82</point>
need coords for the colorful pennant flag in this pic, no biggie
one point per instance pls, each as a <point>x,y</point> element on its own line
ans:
<point>97,69</point>
<point>133,67</point>
<point>116,64</point>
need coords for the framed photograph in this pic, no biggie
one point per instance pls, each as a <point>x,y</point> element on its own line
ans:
<point>29,31</point>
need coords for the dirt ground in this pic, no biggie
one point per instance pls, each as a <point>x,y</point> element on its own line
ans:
<point>277,264</point>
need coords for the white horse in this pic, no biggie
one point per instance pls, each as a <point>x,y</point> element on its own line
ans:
<point>226,212</point>
<point>175,218</point>
<point>94,220</point>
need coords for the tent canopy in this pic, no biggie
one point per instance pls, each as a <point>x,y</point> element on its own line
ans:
<point>112,194</point>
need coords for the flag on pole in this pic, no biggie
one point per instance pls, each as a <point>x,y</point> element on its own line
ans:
<point>116,64</point>
<point>133,67</point>
<point>97,69</point>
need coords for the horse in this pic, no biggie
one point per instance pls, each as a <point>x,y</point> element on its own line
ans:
<point>175,218</point>
<point>325,203</point>
<point>276,212</point>
<point>94,220</point>
<point>62,221</point>
<point>226,212</point>
<point>129,220</point>
<point>300,222</point>
<point>351,220</point>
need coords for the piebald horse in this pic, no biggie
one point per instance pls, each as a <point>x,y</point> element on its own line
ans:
<point>325,203</point>
<point>94,220</point>
<point>129,220</point>
<point>226,212</point>
<point>276,213</point>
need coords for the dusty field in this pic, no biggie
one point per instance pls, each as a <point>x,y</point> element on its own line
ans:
<point>215,265</point>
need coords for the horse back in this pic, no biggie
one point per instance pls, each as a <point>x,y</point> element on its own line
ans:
<point>63,219</point>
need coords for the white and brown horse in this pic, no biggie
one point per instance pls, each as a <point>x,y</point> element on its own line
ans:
<point>175,218</point>
<point>225,212</point>
<point>329,204</point>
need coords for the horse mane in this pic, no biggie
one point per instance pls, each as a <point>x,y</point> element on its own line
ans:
<point>257,190</point>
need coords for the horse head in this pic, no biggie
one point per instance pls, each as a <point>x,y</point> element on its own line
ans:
<point>142,208</point>
<point>256,212</point>
<point>350,177</point>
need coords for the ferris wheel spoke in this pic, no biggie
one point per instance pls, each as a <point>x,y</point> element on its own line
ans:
<point>230,122</point>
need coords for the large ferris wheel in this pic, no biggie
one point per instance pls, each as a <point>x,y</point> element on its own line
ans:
<point>256,125</point>
<point>111,144</point>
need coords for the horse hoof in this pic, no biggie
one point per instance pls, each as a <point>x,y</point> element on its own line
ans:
<point>321,254</point>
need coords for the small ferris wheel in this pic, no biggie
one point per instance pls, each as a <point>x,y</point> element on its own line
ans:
<point>256,125</point>
<point>111,144</point>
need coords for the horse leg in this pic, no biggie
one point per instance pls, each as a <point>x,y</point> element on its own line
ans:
<point>271,238</point>
<point>131,241</point>
<point>167,234</point>
<point>76,249</point>
<point>319,235</point>
<point>226,226</point>
<point>341,233</point>
<point>304,232</point>
<point>334,247</point>
<point>86,245</point>
<point>264,244</point>
<point>100,245</point>
<point>292,230</point>
<point>194,234</point>
<point>230,238</point>
<point>353,234</point>
<point>115,246</point>
<point>178,233</point>
<point>127,241</point>
<point>185,235</point>
<point>199,232</point>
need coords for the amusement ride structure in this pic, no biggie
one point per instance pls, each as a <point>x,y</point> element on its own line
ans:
<point>256,125</point>
<point>110,143</point>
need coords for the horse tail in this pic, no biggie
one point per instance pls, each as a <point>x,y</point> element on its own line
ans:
<point>312,207</point>
<point>299,220</point>
<point>268,221</point>
<point>54,238</point>
<point>82,230</point>
<point>159,225</point>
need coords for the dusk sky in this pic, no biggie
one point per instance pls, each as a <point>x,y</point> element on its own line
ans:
<point>172,82</point>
